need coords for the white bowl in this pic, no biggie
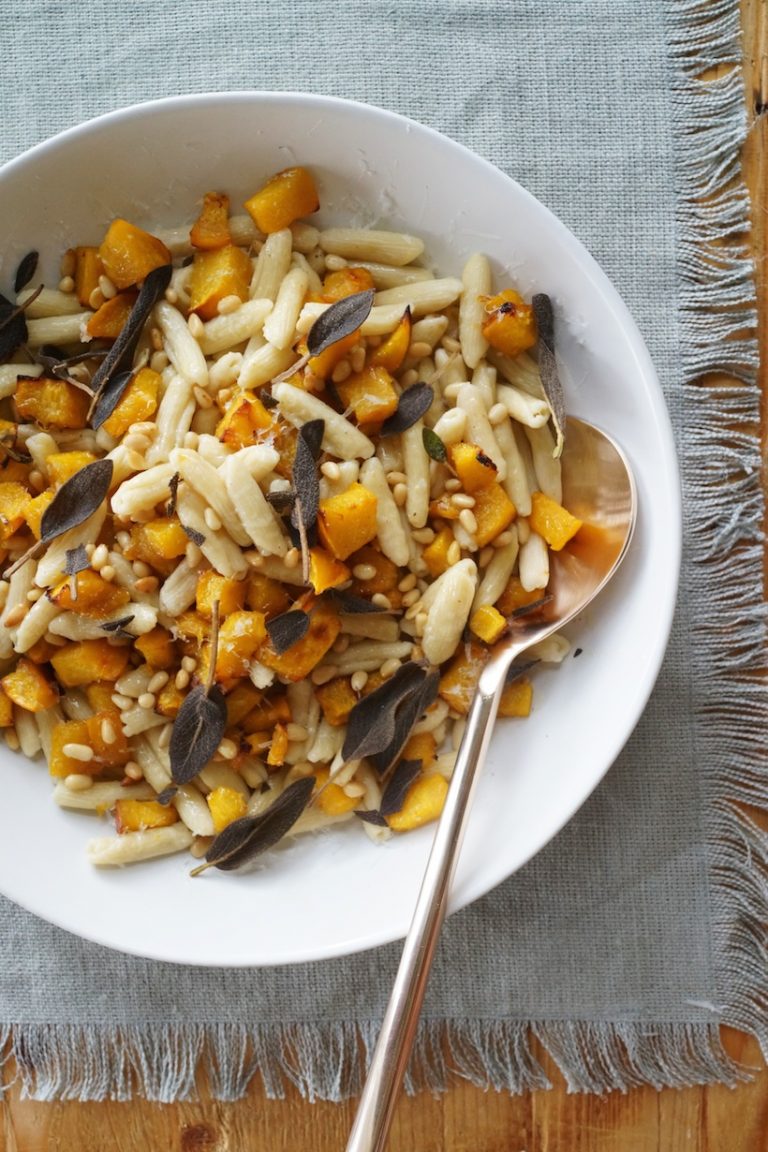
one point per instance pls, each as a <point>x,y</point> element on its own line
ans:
<point>337,893</point>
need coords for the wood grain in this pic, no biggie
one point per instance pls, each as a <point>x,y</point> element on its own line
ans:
<point>714,1119</point>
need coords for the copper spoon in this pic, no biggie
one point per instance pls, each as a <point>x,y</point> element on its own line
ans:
<point>599,488</point>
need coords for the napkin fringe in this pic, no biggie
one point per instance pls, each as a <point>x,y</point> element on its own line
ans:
<point>168,1062</point>
<point>721,479</point>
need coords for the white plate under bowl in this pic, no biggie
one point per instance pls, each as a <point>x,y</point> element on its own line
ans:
<point>337,893</point>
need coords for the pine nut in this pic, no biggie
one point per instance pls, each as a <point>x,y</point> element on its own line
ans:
<point>193,555</point>
<point>96,299</point>
<point>364,571</point>
<point>400,494</point>
<point>411,597</point>
<point>100,557</point>
<point>158,681</point>
<point>357,358</point>
<point>323,673</point>
<point>133,771</point>
<point>330,470</point>
<point>423,535</point>
<point>296,732</point>
<point>389,667</point>
<point>341,372</point>
<point>468,521</point>
<point>195,325</point>
<point>292,558</point>
<point>228,305</point>
<point>78,782</point>
<point>171,295</point>
<point>354,789</point>
<point>212,520</point>
<point>140,568</point>
<point>107,573</point>
<point>394,478</point>
<point>381,601</point>
<point>419,349</point>
<point>462,500</point>
<point>188,663</point>
<point>502,540</point>
<point>497,414</point>
<point>66,284</point>
<point>78,752</point>
<point>11,739</point>
<point>340,644</point>
<point>147,584</point>
<point>407,583</point>
<point>453,555</point>
<point>147,700</point>
<point>452,484</point>
<point>122,702</point>
<point>203,399</point>
<point>108,733</point>
<point>227,749</point>
<point>16,615</point>
<point>182,680</point>
<point>358,680</point>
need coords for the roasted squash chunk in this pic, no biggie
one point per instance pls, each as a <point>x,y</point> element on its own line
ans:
<point>510,327</point>
<point>391,353</point>
<point>329,797</point>
<point>458,682</point>
<point>157,648</point>
<point>242,421</point>
<point>385,574</point>
<point>346,282</point>
<point>370,395</point>
<point>112,752</point>
<point>88,269</point>
<point>243,698</point>
<point>157,542</point>
<point>287,196</point>
<point>487,623</point>
<point>553,522</point>
<point>62,465</point>
<point>169,700</point>
<point>137,815</point>
<point>226,805</point>
<point>33,513</point>
<point>215,274</point>
<point>29,687</point>
<point>273,710</point>
<point>435,555</point>
<point>211,229</point>
<point>14,502</point>
<point>263,594</point>
<point>421,746</point>
<point>494,511</point>
<point>51,403</point>
<point>302,657</point>
<point>348,521</point>
<point>95,597</point>
<point>84,661</point>
<point>109,319</point>
<point>212,587</point>
<point>325,571</point>
<point>240,636</point>
<point>473,468</point>
<point>137,403</point>
<point>337,699</point>
<point>6,709</point>
<point>515,596</point>
<point>128,253</point>
<point>324,363</point>
<point>279,746</point>
<point>423,803</point>
<point>516,698</point>
<point>99,696</point>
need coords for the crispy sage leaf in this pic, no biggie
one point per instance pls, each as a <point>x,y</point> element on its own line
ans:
<point>173,486</point>
<point>518,670</point>
<point>197,732</point>
<point>433,445</point>
<point>109,397</point>
<point>193,534</point>
<point>245,839</point>
<point>118,627</point>
<point>371,726</point>
<point>306,483</point>
<point>411,406</point>
<point>25,271</point>
<point>407,715</point>
<point>371,816</point>
<point>76,500</point>
<point>354,605</point>
<point>13,328</point>
<point>340,320</point>
<point>166,795</point>
<point>550,379</point>
<point>287,629</point>
<point>527,609</point>
<point>76,560</point>
<point>282,499</point>
<point>120,355</point>
<point>399,782</point>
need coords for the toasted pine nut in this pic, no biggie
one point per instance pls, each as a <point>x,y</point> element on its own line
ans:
<point>78,752</point>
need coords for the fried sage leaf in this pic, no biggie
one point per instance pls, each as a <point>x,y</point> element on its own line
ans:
<point>282,499</point>
<point>76,500</point>
<point>433,446</point>
<point>193,534</point>
<point>13,328</point>
<point>550,379</point>
<point>399,782</point>
<point>118,627</point>
<point>411,406</point>
<point>354,605</point>
<point>26,270</point>
<point>340,320</point>
<point>407,715</point>
<point>245,839</point>
<point>287,629</point>
<point>371,816</point>
<point>76,560</point>
<point>109,397</point>
<point>304,477</point>
<point>372,723</point>
<point>197,732</point>
<point>120,355</point>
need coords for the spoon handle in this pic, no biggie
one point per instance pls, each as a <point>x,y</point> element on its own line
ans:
<point>393,1048</point>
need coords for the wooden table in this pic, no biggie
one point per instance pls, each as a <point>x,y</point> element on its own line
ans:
<point>713,1119</point>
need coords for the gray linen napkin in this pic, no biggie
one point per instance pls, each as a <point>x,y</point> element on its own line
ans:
<point>629,939</point>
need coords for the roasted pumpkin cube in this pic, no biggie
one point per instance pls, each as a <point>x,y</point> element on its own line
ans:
<point>473,468</point>
<point>553,522</point>
<point>62,465</point>
<point>330,798</point>
<point>435,555</point>
<point>370,395</point>
<point>516,698</point>
<point>157,542</point>
<point>325,571</point>
<point>211,587</point>
<point>336,699</point>
<point>138,815</point>
<point>41,651</point>
<point>278,749</point>
<point>267,713</point>
<point>109,318</point>
<point>348,521</point>
<point>302,657</point>
<point>391,353</point>
<point>510,327</point>
<point>287,196</point>
<point>107,739</point>
<point>487,623</point>
<point>33,513</point>
<point>96,597</point>
<point>346,282</point>
<point>385,574</point>
<point>99,696</point>
<point>515,596</point>
<point>29,687</point>
<point>14,502</point>
<point>458,682</point>
<point>226,805</point>
<point>60,765</point>
<point>51,403</point>
<point>128,253</point>
<point>443,509</point>
<point>240,636</point>
<point>423,803</point>
<point>243,698</point>
<point>215,274</point>
<point>6,709</point>
<point>84,661</point>
<point>283,439</point>
<point>263,594</point>
<point>211,229</point>
<point>493,511</point>
<point>324,363</point>
<point>192,627</point>
<point>88,269</point>
<point>157,648</point>
<point>421,746</point>
<point>137,403</point>
<point>244,418</point>
<point>169,700</point>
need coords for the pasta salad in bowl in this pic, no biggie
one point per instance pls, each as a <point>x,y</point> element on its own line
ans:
<point>280,465</point>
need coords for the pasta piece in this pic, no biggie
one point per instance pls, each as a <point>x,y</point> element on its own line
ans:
<point>182,349</point>
<point>424,296</point>
<point>272,264</point>
<point>534,563</point>
<point>222,332</point>
<point>498,571</point>
<point>262,362</point>
<point>217,546</point>
<point>448,602</point>
<point>476,281</point>
<point>9,376</point>
<point>48,302</point>
<point>173,419</point>
<point>130,848</point>
<point>257,516</point>
<point>396,248</point>
<point>523,407</point>
<point>101,796</point>
<point>416,466</point>
<point>545,464</point>
<point>389,527</point>
<point>210,486</point>
<point>280,325</point>
<point>479,430</point>
<point>57,329</point>
<point>340,437</point>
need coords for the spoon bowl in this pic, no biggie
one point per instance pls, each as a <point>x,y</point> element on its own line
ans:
<point>598,488</point>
